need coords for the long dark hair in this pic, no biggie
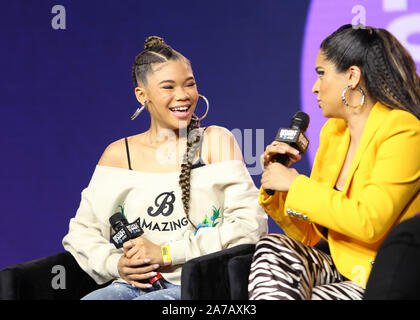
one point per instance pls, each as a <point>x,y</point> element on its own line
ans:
<point>387,67</point>
<point>157,51</point>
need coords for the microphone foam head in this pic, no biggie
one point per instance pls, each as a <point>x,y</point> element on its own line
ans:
<point>300,121</point>
<point>116,218</point>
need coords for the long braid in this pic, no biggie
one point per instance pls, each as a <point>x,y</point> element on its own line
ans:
<point>380,79</point>
<point>385,79</point>
<point>186,166</point>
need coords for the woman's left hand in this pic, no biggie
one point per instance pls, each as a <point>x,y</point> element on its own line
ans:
<point>278,177</point>
<point>141,248</point>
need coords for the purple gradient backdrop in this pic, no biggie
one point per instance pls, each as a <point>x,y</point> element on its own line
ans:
<point>67,94</point>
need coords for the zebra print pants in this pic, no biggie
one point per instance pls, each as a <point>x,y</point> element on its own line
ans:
<point>285,269</point>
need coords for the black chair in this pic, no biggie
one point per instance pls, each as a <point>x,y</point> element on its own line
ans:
<point>33,280</point>
<point>238,271</point>
<point>395,274</point>
<point>222,275</point>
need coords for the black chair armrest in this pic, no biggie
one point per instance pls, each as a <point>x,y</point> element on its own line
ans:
<point>238,269</point>
<point>395,274</point>
<point>222,275</point>
<point>207,278</point>
<point>34,280</point>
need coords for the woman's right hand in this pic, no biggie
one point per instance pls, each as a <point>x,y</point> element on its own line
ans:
<point>133,270</point>
<point>279,147</point>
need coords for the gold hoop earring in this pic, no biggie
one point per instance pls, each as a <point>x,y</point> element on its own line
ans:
<point>207,107</point>
<point>343,97</point>
<point>138,111</point>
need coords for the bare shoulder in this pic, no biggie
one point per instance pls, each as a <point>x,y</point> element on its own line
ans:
<point>114,155</point>
<point>219,144</point>
<point>218,130</point>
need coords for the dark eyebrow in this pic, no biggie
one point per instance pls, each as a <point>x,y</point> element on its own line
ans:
<point>172,81</point>
<point>164,81</point>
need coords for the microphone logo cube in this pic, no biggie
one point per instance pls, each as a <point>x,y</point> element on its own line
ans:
<point>293,137</point>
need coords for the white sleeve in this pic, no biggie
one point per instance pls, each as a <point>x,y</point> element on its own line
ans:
<point>88,242</point>
<point>244,220</point>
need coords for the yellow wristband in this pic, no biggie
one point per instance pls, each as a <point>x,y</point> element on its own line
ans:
<point>166,254</point>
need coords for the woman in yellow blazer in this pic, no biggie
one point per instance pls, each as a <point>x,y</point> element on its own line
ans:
<point>365,178</point>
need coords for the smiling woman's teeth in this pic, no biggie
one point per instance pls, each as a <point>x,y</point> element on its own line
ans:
<point>180,112</point>
<point>179,109</point>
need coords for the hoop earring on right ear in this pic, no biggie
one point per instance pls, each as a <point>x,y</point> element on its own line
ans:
<point>138,111</point>
<point>343,97</point>
<point>207,107</point>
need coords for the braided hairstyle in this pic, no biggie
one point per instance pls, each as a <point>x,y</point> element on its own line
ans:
<point>186,166</point>
<point>387,67</point>
<point>157,51</point>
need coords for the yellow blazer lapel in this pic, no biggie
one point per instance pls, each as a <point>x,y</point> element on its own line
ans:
<point>372,124</point>
<point>338,156</point>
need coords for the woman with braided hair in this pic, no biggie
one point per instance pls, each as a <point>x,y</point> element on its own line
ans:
<point>365,178</point>
<point>189,194</point>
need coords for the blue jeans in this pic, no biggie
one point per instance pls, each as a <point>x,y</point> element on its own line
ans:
<point>125,291</point>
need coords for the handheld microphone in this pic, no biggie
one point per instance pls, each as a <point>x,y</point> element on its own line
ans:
<point>293,136</point>
<point>125,231</point>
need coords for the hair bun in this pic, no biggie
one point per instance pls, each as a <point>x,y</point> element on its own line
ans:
<point>153,41</point>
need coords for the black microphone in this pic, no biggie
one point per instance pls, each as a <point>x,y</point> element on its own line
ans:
<point>293,136</point>
<point>125,231</point>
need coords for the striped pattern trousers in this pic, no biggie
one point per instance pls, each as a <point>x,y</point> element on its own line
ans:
<point>285,269</point>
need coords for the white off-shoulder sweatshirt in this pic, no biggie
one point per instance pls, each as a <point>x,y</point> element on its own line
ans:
<point>224,205</point>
